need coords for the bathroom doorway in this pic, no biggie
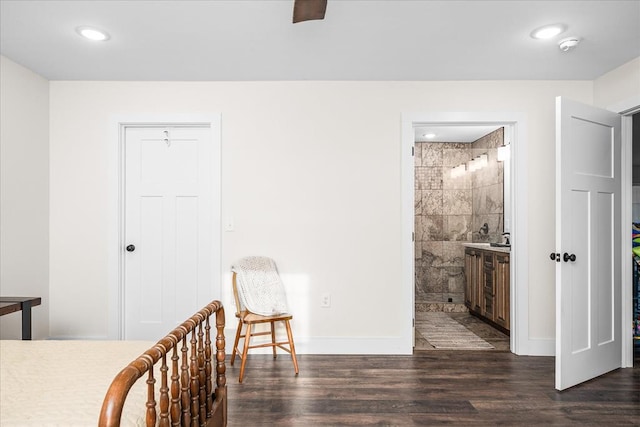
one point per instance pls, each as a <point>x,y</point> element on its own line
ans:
<point>460,206</point>
<point>515,216</point>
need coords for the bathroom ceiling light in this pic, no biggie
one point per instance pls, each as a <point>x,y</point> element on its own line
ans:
<point>569,43</point>
<point>482,160</point>
<point>429,135</point>
<point>458,170</point>
<point>478,162</point>
<point>548,31</point>
<point>93,34</point>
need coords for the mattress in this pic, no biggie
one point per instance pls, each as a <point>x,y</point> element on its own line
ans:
<point>63,383</point>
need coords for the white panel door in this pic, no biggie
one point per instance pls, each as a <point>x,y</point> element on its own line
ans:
<point>588,233</point>
<point>168,228</point>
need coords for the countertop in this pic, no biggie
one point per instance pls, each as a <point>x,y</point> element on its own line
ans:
<point>488,247</point>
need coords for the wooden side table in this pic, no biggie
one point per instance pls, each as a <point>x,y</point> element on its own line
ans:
<point>24,304</point>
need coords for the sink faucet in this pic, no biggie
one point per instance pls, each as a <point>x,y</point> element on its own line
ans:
<point>484,229</point>
<point>506,236</point>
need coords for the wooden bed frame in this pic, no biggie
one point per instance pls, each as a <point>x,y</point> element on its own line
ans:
<point>186,395</point>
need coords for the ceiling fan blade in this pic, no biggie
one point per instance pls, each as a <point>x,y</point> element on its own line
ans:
<point>308,10</point>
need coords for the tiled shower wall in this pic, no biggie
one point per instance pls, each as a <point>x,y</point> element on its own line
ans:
<point>450,211</point>
<point>487,185</point>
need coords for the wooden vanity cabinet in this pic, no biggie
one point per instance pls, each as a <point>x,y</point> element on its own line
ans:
<point>487,286</point>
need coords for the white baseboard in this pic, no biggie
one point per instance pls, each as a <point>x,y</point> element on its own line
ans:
<point>338,345</point>
<point>538,347</point>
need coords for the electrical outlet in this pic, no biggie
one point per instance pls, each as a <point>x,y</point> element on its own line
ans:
<point>325,300</point>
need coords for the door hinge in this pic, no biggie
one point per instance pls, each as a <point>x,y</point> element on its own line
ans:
<point>413,150</point>
<point>413,236</point>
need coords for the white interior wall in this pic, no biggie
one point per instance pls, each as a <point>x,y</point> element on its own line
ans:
<point>620,84</point>
<point>24,194</point>
<point>311,177</point>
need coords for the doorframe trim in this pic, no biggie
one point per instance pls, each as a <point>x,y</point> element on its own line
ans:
<point>115,202</point>
<point>519,302</point>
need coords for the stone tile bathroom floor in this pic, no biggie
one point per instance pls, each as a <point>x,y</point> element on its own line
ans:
<point>488,333</point>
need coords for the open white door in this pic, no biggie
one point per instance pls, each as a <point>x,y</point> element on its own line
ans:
<point>588,229</point>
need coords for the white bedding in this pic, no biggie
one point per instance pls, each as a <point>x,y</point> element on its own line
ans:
<point>37,388</point>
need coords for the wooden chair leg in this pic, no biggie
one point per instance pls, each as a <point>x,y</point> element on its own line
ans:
<point>273,339</point>
<point>292,346</point>
<point>247,340</point>
<point>235,344</point>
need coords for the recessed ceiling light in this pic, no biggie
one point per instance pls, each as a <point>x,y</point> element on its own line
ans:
<point>548,31</point>
<point>429,135</point>
<point>93,34</point>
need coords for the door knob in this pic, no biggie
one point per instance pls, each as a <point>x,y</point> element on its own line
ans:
<point>566,257</point>
<point>555,257</point>
<point>130,248</point>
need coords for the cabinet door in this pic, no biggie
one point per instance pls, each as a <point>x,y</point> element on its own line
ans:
<point>478,283</point>
<point>473,284</point>
<point>502,291</point>
<point>489,282</point>
<point>469,260</point>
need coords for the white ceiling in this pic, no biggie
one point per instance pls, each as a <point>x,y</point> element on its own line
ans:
<point>358,39</point>
<point>464,133</point>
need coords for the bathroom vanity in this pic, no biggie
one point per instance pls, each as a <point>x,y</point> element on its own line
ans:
<point>487,283</point>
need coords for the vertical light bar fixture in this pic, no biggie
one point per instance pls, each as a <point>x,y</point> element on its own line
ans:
<point>504,152</point>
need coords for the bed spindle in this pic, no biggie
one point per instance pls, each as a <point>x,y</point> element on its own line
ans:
<point>221,369</point>
<point>164,393</point>
<point>202,397</point>
<point>184,380</point>
<point>195,386</point>
<point>175,388</point>
<point>151,402</point>
<point>207,368</point>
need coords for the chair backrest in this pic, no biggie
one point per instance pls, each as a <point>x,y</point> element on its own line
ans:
<point>258,287</point>
<point>239,307</point>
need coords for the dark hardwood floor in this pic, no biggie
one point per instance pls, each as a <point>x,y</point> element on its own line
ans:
<point>431,387</point>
